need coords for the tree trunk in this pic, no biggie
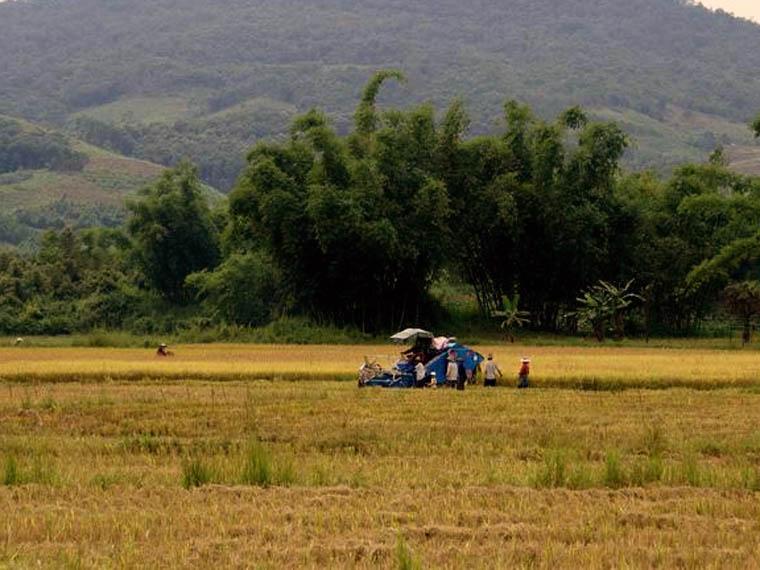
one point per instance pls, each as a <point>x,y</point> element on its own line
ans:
<point>599,331</point>
<point>619,327</point>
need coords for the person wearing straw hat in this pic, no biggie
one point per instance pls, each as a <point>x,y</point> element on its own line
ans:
<point>163,350</point>
<point>524,373</point>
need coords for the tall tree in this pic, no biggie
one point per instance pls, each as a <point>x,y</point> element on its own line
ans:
<point>743,301</point>
<point>536,214</point>
<point>174,236</point>
<point>356,225</point>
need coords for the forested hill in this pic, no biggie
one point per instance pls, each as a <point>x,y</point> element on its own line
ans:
<point>160,79</point>
<point>49,180</point>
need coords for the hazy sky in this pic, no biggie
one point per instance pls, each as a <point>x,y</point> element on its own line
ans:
<point>743,8</point>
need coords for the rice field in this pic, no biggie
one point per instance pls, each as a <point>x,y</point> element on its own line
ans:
<point>220,457</point>
<point>595,368</point>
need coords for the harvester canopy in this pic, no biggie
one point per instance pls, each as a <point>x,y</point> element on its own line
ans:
<point>410,336</point>
<point>433,352</point>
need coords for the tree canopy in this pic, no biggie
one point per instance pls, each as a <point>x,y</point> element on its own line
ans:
<point>354,229</point>
<point>173,232</point>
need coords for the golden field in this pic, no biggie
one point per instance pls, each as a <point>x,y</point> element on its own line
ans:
<point>570,367</point>
<point>146,463</point>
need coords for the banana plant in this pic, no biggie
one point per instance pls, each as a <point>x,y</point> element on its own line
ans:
<point>605,303</point>
<point>512,318</point>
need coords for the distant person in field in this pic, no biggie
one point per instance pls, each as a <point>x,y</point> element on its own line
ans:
<point>163,350</point>
<point>461,375</point>
<point>420,373</point>
<point>491,370</point>
<point>470,367</point>
<point>452,372</point>
<point>524,373</point>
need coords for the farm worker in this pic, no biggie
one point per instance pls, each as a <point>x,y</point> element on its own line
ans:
<point>470,365</point>
<point>492,369</point>
<point>420,373</point>
<point>461,377</point>
<point>163,350</point>
<point>452,372</point>
<point>433,381</point>
<point>524,373</point>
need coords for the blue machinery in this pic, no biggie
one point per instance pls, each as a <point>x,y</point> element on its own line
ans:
<point>433,352</point>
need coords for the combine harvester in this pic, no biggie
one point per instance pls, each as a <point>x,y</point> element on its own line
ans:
<point>433,352</point>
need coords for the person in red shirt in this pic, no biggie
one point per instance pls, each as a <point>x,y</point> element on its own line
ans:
<point>524,373</point>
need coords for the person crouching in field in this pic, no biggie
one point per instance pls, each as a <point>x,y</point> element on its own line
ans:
<point>524,373</point>
<point>491,370</point>
<point>163,350</point>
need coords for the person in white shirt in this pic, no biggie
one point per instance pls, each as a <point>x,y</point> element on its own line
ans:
<point>452,373</point>
<point>492,369</point>
<point>420,373</point>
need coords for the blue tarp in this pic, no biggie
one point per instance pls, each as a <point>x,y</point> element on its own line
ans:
<point>405,376</point>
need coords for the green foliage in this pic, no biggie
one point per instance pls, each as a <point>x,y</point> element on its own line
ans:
<point>743,300</point>
<point>173,232</point>
<point>64,212</point>
<point>614,476</point>
<point>41,471</point>
<point>605,303</point>
<point>331,236</point>
<point>354,229</point>
<point>24,150</point>
<point>365,118</point>
<point>75,281</point>
<point>257,467</point>
<point>691,473</point>
<point>512,317</point>
<point>532,210</point>
<point>241,290</point>
<point>12,231</point>
<point>554,472</point>
<point>195,473</point>
<point>732,260</point>
<point>405,559</point>
<point>11,474</point>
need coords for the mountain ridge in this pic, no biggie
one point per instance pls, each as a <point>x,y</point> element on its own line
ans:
<point>194,60</point>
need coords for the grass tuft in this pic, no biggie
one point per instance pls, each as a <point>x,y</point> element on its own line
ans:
<point>553,473</point>
<point>257,467</point>
<point>405,559</point>
<point>195,473</point>
<point>691,471</point>
<point>11,473</point>
<point>614,476</point>
<point>654,441</point>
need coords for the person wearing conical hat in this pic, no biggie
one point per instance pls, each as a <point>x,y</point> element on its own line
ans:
<point>524,373</point>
